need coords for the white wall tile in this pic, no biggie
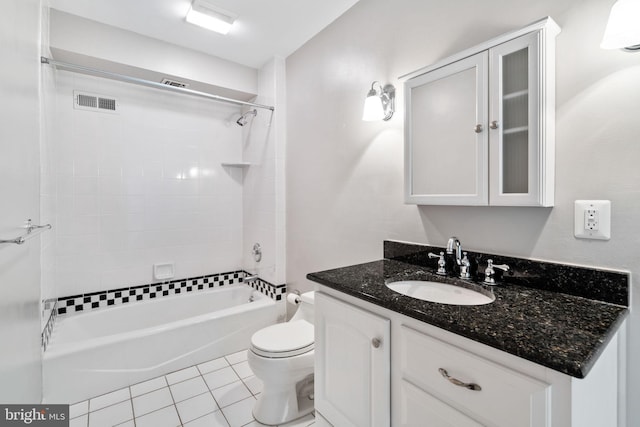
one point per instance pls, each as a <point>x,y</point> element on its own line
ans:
<point>137,187</point>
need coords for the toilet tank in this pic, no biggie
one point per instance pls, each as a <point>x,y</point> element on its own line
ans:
<point>305,307</point>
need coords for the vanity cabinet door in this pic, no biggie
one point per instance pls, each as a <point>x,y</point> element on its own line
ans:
<point>446,135</point>
<point>420,408</point>
<point>352,371</point>
<point>519,175</point>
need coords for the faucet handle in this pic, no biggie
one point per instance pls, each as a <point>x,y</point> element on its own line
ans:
<point>465,266</point>
<point>490,272</point>
<point>441,263</point>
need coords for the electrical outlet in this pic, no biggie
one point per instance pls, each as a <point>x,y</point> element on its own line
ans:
<point>592,219</point>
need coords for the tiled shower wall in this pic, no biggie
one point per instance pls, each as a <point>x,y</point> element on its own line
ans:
<point>142,186</point>
<point>263,195</point>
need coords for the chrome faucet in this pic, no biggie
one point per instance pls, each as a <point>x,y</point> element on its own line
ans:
<point>454,245</point>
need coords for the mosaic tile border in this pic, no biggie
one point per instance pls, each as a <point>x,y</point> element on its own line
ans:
<point>94,300</point>
<point>50,306</point>
<point>276,292</point>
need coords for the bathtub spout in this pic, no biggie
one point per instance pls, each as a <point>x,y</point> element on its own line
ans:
<point>252,278</point>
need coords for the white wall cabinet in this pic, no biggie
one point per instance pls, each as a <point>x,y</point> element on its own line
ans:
<point>352,352</point>
<point>480,125</point>
<point>484,387</point>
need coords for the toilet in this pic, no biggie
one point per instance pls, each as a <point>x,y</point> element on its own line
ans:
<point>281,356</point>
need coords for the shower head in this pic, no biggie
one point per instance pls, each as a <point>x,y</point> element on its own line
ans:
<point>243,118</point>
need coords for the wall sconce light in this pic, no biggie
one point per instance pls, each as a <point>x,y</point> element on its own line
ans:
<point>623,27</point>
<point>379,105</point>
<point>210,17</point>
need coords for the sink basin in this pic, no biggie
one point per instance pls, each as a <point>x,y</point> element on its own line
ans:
<point>443,293</point>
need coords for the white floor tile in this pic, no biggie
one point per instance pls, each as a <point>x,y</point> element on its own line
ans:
<point>220,377</point>
<point>196,407</point>
<point>231,393</point>
<point>189,388</point>
<point>81,421</point>
<point>240,413</point>
<point>165,417</point>
<point>238,357</point>
<point>254,384</point>
<point>242,369</point>
<point>111,415</point>
<point>152,401</point>
<point>213,365</point>
<point>78,409</point>
<point>184,374</point>
<point>147,386</point>
<point>109,399</point>
<point>215,419</point>
<point>129,423</point>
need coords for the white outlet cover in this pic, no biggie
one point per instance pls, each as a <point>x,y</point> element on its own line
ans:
<point>603,229</point>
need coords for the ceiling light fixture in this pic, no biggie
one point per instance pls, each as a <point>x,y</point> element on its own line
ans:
<point>623,29</point>
<point>379,106</point>
<point>211,17</point>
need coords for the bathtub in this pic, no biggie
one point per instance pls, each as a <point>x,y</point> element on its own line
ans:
<point>103,350</point>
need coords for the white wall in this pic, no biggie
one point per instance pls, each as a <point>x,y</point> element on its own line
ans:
<point>142,186</point>
<point>344,176</point>
<point>20,372</point>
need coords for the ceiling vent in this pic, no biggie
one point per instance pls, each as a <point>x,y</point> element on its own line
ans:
<point>174,83</point>
<point>94,102</point>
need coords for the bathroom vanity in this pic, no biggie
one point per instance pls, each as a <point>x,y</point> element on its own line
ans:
<point>543,353</point>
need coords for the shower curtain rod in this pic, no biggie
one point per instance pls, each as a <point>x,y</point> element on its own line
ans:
<point>149,83</point>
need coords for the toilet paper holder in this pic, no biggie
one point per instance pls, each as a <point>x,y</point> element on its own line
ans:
<point>294,297</point>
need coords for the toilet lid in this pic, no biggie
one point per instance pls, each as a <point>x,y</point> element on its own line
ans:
<point>283,339</point>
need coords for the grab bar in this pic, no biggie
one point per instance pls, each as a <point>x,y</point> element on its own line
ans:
<point>28,235</point>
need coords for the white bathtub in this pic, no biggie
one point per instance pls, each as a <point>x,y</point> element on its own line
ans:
<point>100,351</point>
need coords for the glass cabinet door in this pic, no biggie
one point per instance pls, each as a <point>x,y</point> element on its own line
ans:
<point>513,122</point>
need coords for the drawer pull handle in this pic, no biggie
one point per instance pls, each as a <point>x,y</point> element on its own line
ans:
<point>376,342</point>
<point>455,381</point>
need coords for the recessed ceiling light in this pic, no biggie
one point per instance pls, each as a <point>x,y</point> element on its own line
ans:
<point>211,17</point>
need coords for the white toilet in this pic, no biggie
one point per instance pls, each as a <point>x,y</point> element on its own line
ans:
<point>281,356</point>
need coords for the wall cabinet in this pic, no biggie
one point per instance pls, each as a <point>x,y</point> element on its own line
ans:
<point>479,126</point>
<point>421,375</point>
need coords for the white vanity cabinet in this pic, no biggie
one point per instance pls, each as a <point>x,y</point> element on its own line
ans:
<point>352,371</point>
<point>480,125</point>
<point>480,386</point>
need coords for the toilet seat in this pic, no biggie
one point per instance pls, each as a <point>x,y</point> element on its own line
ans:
<point>283,339</point>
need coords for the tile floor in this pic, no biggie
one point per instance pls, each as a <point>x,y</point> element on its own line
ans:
<point>217,393</point>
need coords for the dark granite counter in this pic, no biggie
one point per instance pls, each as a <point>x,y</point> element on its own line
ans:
<point>561,331</point>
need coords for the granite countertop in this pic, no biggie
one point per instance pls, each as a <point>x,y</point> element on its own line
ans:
<point>554,329</point>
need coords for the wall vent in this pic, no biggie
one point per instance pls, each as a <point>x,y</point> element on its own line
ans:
<point>94,102</point>
<point>174,83</point>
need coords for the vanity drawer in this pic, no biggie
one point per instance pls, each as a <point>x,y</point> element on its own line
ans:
<point>504,398</point>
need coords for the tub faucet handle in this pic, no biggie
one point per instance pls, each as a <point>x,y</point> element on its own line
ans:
<point>441,263</point>
<point>489,272</point>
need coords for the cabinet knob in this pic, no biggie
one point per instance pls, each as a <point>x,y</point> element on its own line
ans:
<point>478,128</point>
<point>376,342</point>
<point>494,124</point>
